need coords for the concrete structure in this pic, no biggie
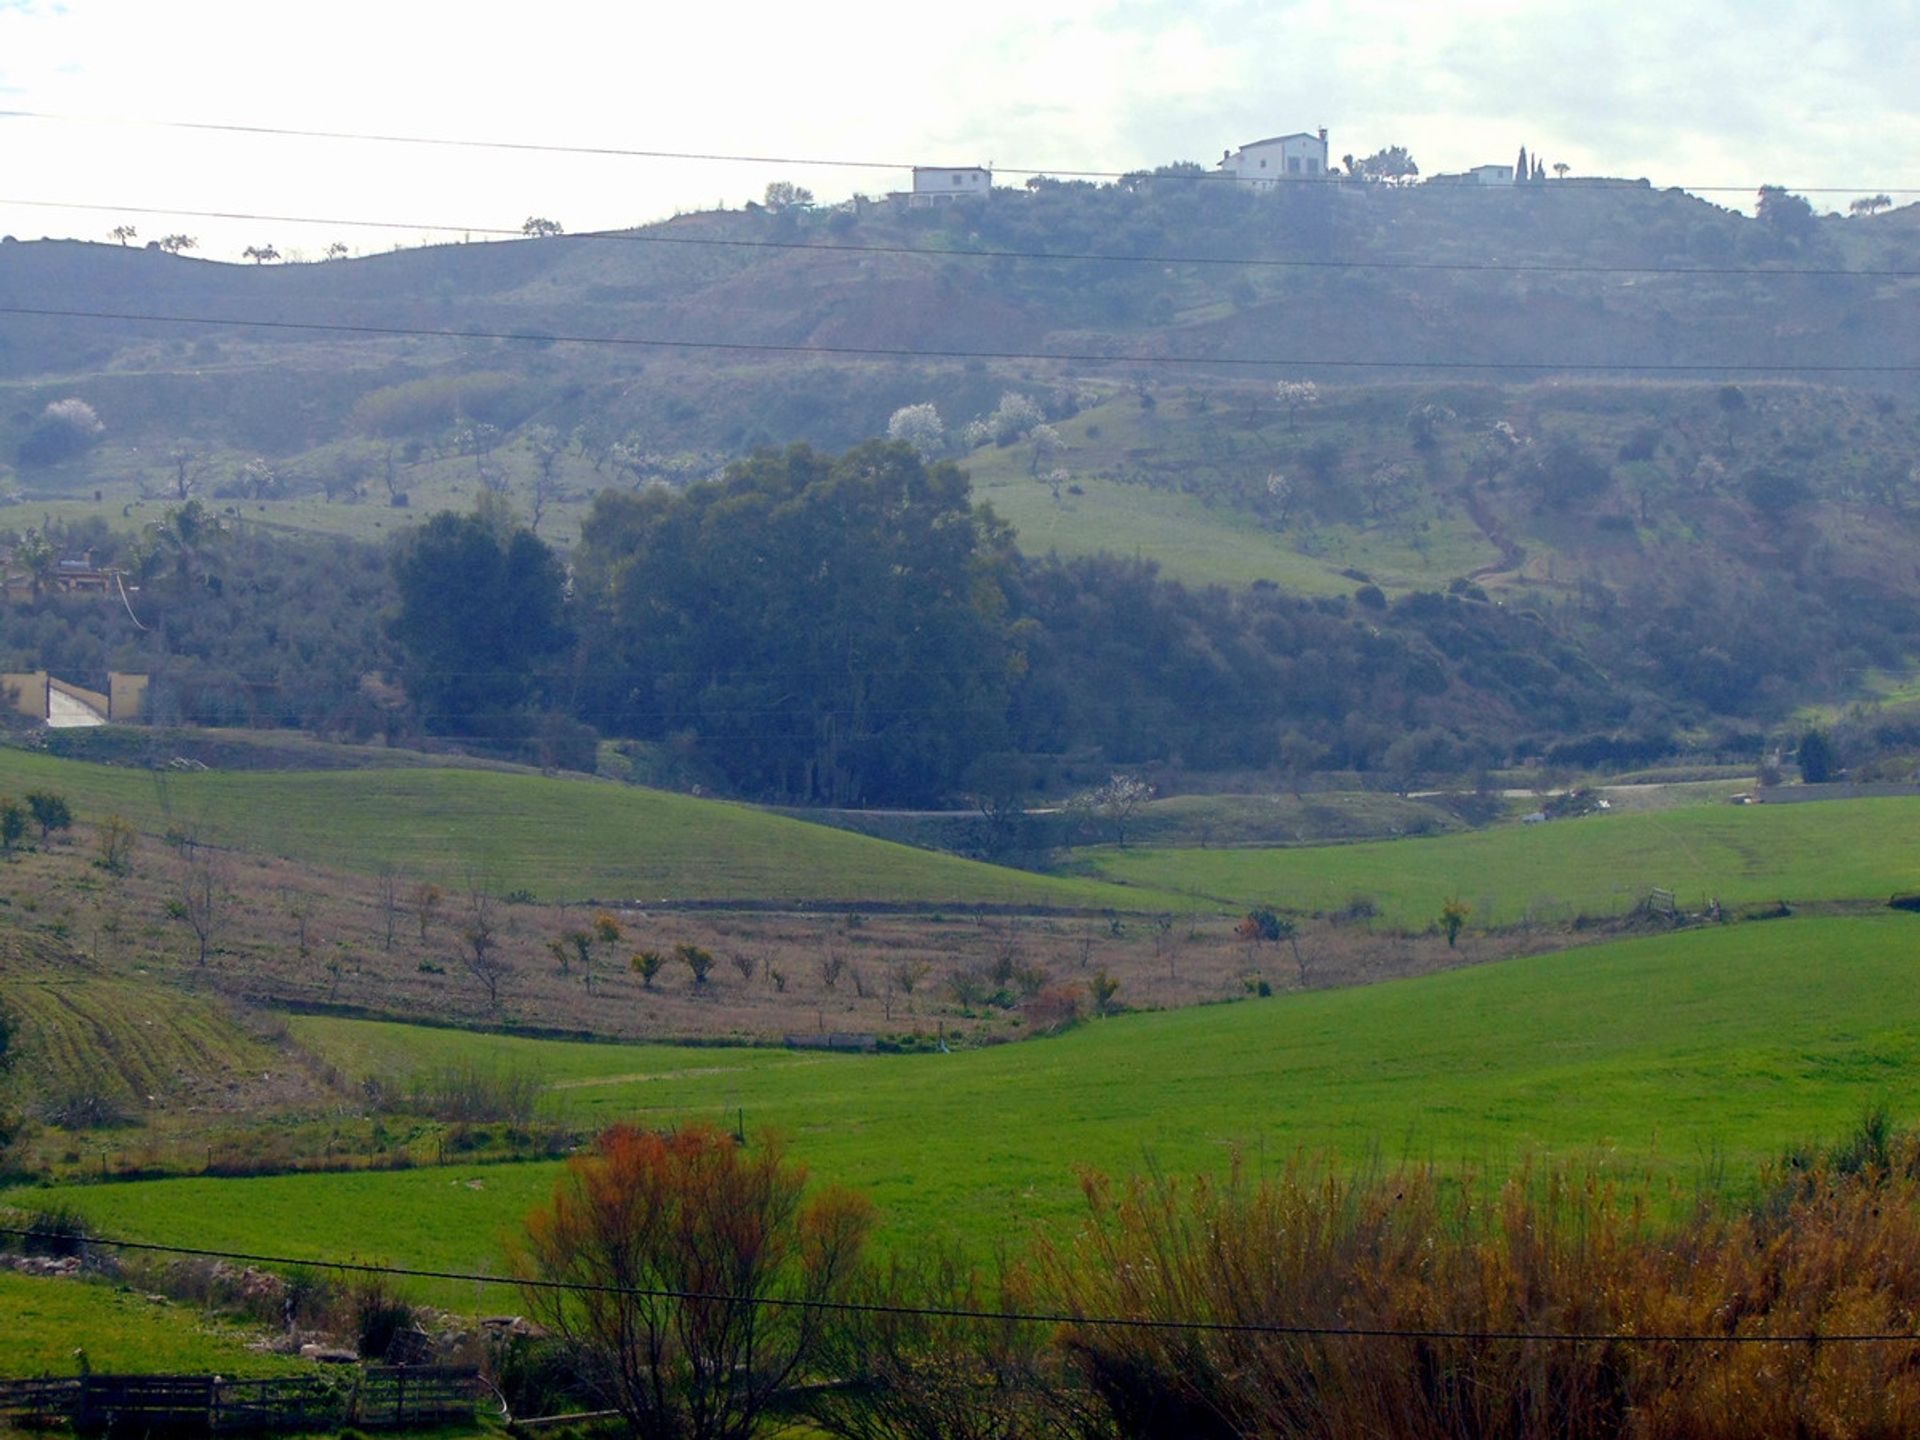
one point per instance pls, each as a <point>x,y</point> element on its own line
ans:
<point>943,184</point>
<point>1478,175</point>
<point>40,696</point>
<point>1283,157</point>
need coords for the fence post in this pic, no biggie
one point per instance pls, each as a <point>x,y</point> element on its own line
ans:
<point>400,1398</point>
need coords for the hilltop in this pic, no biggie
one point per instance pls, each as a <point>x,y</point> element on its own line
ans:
<point>1609,275</point>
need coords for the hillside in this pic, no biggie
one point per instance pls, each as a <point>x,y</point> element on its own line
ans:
<point>1673,556</point>
<point>1671,1056</point>
<point>554,839</point>
<point>1611,276</point>
<point>1746,855</point>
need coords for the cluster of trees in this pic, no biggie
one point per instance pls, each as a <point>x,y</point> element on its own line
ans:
<point>853,630</point>
<point>234,625</point>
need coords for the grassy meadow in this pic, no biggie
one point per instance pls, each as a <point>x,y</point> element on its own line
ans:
<point>1676,1057</point>
<point>44,1321</point>
<point>1600,865</point>
<point>1192,539</point>
<point>557,839</point>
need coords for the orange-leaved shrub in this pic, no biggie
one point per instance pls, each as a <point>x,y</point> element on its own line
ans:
<point>1830,1254</point>
<point>676,1242</point>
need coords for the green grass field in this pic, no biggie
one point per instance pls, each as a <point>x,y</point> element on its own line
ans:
<point>43,1321</point>
<point>1191,540</point>
<point>1605,864</point>
<point>1669,1057</point>
<point>559,839</point>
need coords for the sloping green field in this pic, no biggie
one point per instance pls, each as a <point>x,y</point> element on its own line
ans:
<point>1604,864</point>
<point>43,1321</point>
<point>1666,1056</point>
<point>1190,539</point>
<point>558,839</point>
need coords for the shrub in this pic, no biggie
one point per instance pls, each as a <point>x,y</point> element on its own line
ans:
<point>83,1107</point>
<point>699,961</point>
<point>647,964</point>
<point>59,1232</point>
<point>1263,924</point>
<point>1555,1253</point>
<point>1052,1010</point>
<point>466,1093</point>
<point>912,1367</point>
<point>114,839</point>
<point>380,1319</point>
<point>693,1212</point>
<point>50,812</point>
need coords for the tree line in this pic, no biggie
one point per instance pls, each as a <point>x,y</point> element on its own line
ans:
<point>853,630</point>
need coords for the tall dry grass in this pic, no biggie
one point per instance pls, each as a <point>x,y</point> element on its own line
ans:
<point>1829,1250</point>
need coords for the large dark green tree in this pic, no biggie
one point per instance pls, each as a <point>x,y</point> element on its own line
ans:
<point>480,621</point>
<point>827,629</point>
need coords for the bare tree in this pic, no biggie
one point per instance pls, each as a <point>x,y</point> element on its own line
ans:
<point>204,900</point>
<point>387,896</point>
<point>480,932</point>
<point>426,898</point>
<point>189,468</point>
<point>547,447</point>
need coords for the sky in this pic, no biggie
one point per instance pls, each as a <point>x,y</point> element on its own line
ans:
<point>1718,96</point>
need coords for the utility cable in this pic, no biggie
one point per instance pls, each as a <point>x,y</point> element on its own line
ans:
<point>842,163</point>
<point>999,1317</point>
<point>879,352</point>
<point>639,237</point>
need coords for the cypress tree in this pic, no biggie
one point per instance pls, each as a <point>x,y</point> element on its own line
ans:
<point>1520,170</point>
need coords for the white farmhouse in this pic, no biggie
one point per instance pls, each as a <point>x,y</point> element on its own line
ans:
<point>1491,175</point>
<point>1284,157</point>
<point>942,184</point>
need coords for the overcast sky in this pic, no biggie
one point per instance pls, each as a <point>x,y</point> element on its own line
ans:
<point>1710,93</point>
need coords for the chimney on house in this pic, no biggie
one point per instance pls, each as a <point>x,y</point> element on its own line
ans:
<point>1323,134</point>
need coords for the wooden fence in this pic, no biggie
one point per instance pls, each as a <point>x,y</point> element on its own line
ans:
<point>373,1398</point>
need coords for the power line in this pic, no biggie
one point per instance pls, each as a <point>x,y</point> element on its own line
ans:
<point>1077,256</point>
<point>879,352</point>
<point>842,163</point>
<point>1001,1317</point>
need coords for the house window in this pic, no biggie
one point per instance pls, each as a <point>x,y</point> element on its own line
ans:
<point>1293,164</point>
<point>956,179</point>
<point>1313,166</point>
<point>1263,164</point>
